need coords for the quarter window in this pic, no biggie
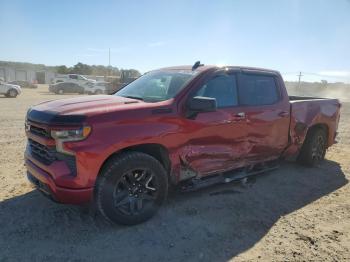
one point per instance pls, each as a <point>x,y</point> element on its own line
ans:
<point>258,90</point>
<point>223,88</point>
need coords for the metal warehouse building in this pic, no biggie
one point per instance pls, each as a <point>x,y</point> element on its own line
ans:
<point>10,71</point>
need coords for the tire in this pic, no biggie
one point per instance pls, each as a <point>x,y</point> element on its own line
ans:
<point>314,147</point>
<point>60,91</point>
<point>98,92</point>
<point>130,188</point>
<point>12,93</point>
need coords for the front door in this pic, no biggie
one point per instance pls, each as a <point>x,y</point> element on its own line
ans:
<point>218,139</point>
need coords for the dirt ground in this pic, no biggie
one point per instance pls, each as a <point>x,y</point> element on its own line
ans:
<point>292,214</point>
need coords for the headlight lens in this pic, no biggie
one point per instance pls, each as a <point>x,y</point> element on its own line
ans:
<point>71,134</point>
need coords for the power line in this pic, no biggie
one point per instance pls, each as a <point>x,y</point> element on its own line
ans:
<point>316,74</point>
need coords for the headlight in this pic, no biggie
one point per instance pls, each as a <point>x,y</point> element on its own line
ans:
<point>71,134</point>
<point>26,126</point>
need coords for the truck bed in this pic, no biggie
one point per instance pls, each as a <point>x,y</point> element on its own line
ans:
<point>298,98</point>
<point>306,112</point>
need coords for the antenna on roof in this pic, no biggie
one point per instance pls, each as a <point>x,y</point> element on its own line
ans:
<point>196,65</point>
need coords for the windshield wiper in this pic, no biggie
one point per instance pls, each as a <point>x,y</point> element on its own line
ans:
<point>134,97</point>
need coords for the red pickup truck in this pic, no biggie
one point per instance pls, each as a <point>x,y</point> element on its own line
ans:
<point>190,125</point>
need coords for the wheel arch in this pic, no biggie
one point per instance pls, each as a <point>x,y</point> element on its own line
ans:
<point>321,126</point>
<point>157,151</point>
<point>12,89</point>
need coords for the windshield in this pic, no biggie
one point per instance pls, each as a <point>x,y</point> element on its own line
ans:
<point>157,85</point>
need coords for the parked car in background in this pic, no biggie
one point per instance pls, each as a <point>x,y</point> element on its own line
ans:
<point>23,84</point>
<point>96,88</point>
<point>73,78</point>
<point>9,90</point>
<point>188,126</point>
<point>88,88</point>
<point>65,88</point>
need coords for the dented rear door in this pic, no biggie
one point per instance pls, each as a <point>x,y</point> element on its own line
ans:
<point>267,111</point>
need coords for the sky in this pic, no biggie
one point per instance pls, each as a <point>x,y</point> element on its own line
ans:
<point>287,35</point>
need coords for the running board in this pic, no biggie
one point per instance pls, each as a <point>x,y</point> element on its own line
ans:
<point>223,178</point>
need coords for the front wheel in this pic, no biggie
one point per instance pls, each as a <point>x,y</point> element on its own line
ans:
<point>131,188</point>
<point>12,93</point>
<point>314,148</point>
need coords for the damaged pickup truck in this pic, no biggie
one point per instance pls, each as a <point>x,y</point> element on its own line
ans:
<point>191,126</point>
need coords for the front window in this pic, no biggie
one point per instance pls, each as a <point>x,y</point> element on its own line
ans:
<point>223,88</point>
<point>157,85</point>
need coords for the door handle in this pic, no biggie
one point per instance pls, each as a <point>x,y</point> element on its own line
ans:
<point>240,115</point>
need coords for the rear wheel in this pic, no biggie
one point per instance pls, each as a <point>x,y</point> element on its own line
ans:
<point>314,148</point>
<point>60,91</point>
<point>98,92</point>
<point>131,188</point>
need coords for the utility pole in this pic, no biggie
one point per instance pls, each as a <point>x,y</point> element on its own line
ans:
<point>109,57</point>
<point>109,61</point>
<point>300,75</point>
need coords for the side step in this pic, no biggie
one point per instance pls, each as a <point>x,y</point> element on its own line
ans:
<point>227,177</point>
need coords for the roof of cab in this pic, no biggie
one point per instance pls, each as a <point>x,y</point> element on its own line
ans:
<point>207,67</point>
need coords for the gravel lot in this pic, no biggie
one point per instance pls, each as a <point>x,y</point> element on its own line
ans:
<point>292,214</point>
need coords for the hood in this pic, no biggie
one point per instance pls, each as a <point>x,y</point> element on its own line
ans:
<point>79,107</point>
<point>86,105</point>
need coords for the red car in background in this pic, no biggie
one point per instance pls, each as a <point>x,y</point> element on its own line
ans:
<point>190,125</point>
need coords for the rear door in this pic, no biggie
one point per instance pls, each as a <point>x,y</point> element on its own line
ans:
<point>217,141</point>
<point>267,114</point>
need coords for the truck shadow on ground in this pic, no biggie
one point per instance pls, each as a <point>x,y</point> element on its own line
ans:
<point>214,224</point>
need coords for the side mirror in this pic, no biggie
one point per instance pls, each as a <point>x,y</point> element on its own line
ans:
<point>202,104</point>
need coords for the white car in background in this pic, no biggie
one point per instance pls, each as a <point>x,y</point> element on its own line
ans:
<point>9,90</point>
<point>73,78</point>
<point>96,88</point>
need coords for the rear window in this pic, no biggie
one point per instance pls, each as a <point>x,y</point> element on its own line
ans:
<point>258,90</point>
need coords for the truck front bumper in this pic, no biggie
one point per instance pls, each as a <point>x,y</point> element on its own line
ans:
<point>42,180</point>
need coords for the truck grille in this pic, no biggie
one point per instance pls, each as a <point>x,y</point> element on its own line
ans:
<point>42,153</point>
<point>39,131</point>
<point>47,155</point>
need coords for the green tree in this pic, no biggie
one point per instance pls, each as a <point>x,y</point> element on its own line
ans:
<point>62,69</point>
<point>81,69</point>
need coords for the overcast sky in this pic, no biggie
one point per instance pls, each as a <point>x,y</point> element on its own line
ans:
<point>288,35</point>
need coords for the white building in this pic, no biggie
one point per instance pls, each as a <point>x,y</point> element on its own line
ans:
<point>25,73</point>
